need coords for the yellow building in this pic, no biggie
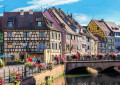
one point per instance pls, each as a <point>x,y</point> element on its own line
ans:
<point>99,29</point>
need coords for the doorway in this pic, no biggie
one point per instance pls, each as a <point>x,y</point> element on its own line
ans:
<point>22,57</point>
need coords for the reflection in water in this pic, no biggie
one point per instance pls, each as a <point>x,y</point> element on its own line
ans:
<point>101,79</point>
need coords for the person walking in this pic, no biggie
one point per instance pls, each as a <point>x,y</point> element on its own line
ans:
<point>34,59</point>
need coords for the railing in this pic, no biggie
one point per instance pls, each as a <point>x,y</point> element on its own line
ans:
<point>26,72</point>
<point>93,59</point>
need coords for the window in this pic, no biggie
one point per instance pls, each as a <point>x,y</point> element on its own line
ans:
<point>55,45</point>
<point>42,47</point>
<point>9,34</point>
<point>88,47</point>
<point>59,36</point>
<point>42,34</point>
<point>52,45</point>
<point>26,34</point>
<point>109,47</point>
<point>9,45</point>
<point>100,44</point>
<point>112,46</point>
<point>39,23</point>
<point>55,35</point>
<point>116,34</point>
<point>73,37</point>
<point>52,35</point>
<point>88,39</point>
<point>115,40</point>
<point>97,28</point>
<point>10,24</point>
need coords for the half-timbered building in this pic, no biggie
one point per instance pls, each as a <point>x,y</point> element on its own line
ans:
<point>106,39</point>
<point>30,34</point>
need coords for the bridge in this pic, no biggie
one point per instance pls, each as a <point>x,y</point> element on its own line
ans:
<point>97,64</point>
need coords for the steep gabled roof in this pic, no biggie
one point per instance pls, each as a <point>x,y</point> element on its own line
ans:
<point>67,27</point>
<point>28,21</point>
<point>102,25</point>
<point>112,26</point>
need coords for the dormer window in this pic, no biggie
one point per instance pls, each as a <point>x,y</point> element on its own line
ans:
<point>97,28</point>
<point>10,24</point>
<point>39,23</point>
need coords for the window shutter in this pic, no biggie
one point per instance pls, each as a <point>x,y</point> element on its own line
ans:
<point>30,45</point>
<point>29,34</point>
<point>13,45</point>
<point>12,34</point>
<point>22,34</point>
<point>37,34</point>
<point>5,34</point>
<point>45,34</point>
<point>5,45</point>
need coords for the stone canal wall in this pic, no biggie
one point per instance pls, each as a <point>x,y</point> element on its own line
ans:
<point>40,78</point>
<point>54,73</point>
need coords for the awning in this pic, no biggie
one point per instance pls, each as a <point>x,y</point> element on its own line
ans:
<point>6,56</point>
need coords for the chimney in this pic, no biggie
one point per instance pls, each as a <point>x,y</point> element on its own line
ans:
<point>31,11</point>
<point>102,20</point>
<point>71,15</point>
<point>60,10</point>
<point>21,12</point>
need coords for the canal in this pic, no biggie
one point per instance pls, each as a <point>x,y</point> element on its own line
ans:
<point>88,79</point>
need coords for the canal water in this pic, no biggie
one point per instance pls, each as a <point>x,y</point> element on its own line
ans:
<point>88,79</point>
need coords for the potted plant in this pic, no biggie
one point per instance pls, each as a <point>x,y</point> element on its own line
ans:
<point>57,58</point>
<point>41,67</point>
<point>100,56</point>
<point>63,61</point>
<point>113,56</point>
<point>16,77</point>
<point>69,58</point>
<point>118,67</point>
<point>1,80</point>
<point>89,56</point>
<point>74,56</point>
<point>50,65</point>
<point>30,65</point>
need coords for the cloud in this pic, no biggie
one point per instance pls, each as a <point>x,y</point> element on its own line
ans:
<point>81,18</point>
<point>1,0</point>
<point>118,23</point>
<point>37,4</point>
<point>1,6</point>
<point>1,14</point>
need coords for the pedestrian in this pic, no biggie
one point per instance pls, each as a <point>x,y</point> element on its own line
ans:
<point>34,59</point>
<point>38,61</point>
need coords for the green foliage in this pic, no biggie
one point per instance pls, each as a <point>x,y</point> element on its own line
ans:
<point>48,82</point>
<point>2,63</point>
<point>18,61</point>
<point>50,65</point>
<point>30,65</point>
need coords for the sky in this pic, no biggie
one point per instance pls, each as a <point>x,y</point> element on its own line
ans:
<point>82,10</point>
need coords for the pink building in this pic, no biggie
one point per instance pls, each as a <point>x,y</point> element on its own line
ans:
<point>69,37</point>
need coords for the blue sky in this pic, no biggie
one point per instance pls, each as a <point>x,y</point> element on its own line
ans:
<point>83,10</point>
